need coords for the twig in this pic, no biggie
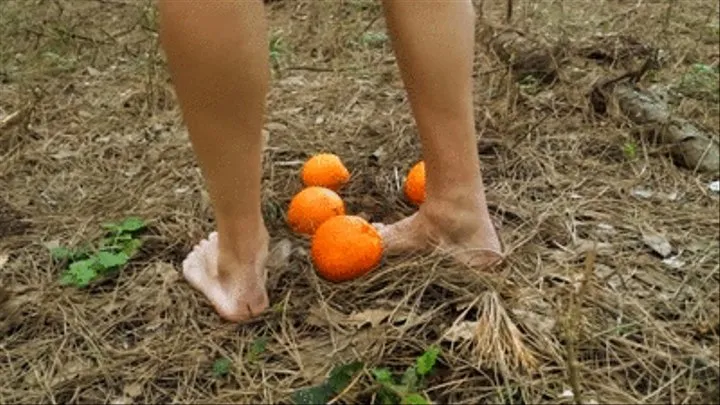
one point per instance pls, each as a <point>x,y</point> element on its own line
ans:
<point>370,24</point>
<point>634,75</point>
<point>11,119</point>
<point>489,71</point>
<point>72,35</point>
<point>530,131</point>
<point>316,69</point>
<point>508,11</point>
<point>572,331</point>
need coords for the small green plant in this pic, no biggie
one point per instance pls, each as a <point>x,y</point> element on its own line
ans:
<point>530,84</point>
<point>701,82</point>
<point>339,378</point>
<point>406,391</point>
<point>221,367</point>
<point>374,38</point>
<point>630,150</point>
<point>115,249</point>
<point>257,348</point>
<point>278,308</point>
<point>277,47</point>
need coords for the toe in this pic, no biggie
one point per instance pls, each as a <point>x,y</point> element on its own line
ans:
<point>193,270</point>
<point>191,259</point>
<point>400,237</point>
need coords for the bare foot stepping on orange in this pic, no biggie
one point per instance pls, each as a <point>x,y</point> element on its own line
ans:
<point>469,239</point>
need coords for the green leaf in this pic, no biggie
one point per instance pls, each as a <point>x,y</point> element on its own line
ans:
<point>123,237</point>
<point>338,380</point>
<point>410,378</point>
<point>132,224</point>
<point>257,347</point>
<point>426,362</point>
<point>109,260</point>
<point>61,253</point>
<point>630,150</point>
<point>221,367</point>
<point>319,394</point>
<point>703,68</point>
<point>382,375</point>
<point>67,278</point>
<point>341,375</point>
<point>83,272</point>
<point>374,38</point>
<point>278,307</point>
<point>128,225</point>
<point>131,247</point>
<point>414,399</point>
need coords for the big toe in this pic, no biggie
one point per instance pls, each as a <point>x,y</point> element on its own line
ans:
<point>193,268</point>
<point>399,237</point>
<point>202,258</point>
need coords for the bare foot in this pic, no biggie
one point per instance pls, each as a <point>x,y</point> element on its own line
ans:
<point>468,235</point>
<point>235,289</point>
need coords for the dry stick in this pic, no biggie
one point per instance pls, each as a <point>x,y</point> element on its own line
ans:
<point>531,130</point>
<point>12,119</point>
<point>370,24</point>
<point>508,11</point>
<point>572,331</point>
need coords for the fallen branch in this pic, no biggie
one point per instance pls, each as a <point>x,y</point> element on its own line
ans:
<point>690,146</point>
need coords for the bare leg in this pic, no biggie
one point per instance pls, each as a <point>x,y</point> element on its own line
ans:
<point>434,45</point>
<point>218,58</point>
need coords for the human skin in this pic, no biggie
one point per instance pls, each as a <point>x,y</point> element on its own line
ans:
<point>218,59</point>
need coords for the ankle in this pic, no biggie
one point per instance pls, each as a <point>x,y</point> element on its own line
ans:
<point>456,217</point>
<point>457,196</point>
<point>242,242</point>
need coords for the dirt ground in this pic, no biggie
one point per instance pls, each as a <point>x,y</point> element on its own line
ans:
<point>90,132</point>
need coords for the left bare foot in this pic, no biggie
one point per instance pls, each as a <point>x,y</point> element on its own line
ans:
<point>466,233</point>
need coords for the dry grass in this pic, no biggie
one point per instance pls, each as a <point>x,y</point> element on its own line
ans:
<point>98,137</point>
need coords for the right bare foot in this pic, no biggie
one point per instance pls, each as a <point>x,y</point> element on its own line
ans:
<point>235,289</point>
<point>464,230</point>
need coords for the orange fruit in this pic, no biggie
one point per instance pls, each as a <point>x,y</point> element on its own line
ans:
<point>415,184</point>
<point>311,207</point>
<point>325,170</point>
<point>345,247</point>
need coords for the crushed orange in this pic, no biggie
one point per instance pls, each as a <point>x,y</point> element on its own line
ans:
<point>415,184</point>
<point>325,170</point>
<point>346,247</point>
<point>311,207</point>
